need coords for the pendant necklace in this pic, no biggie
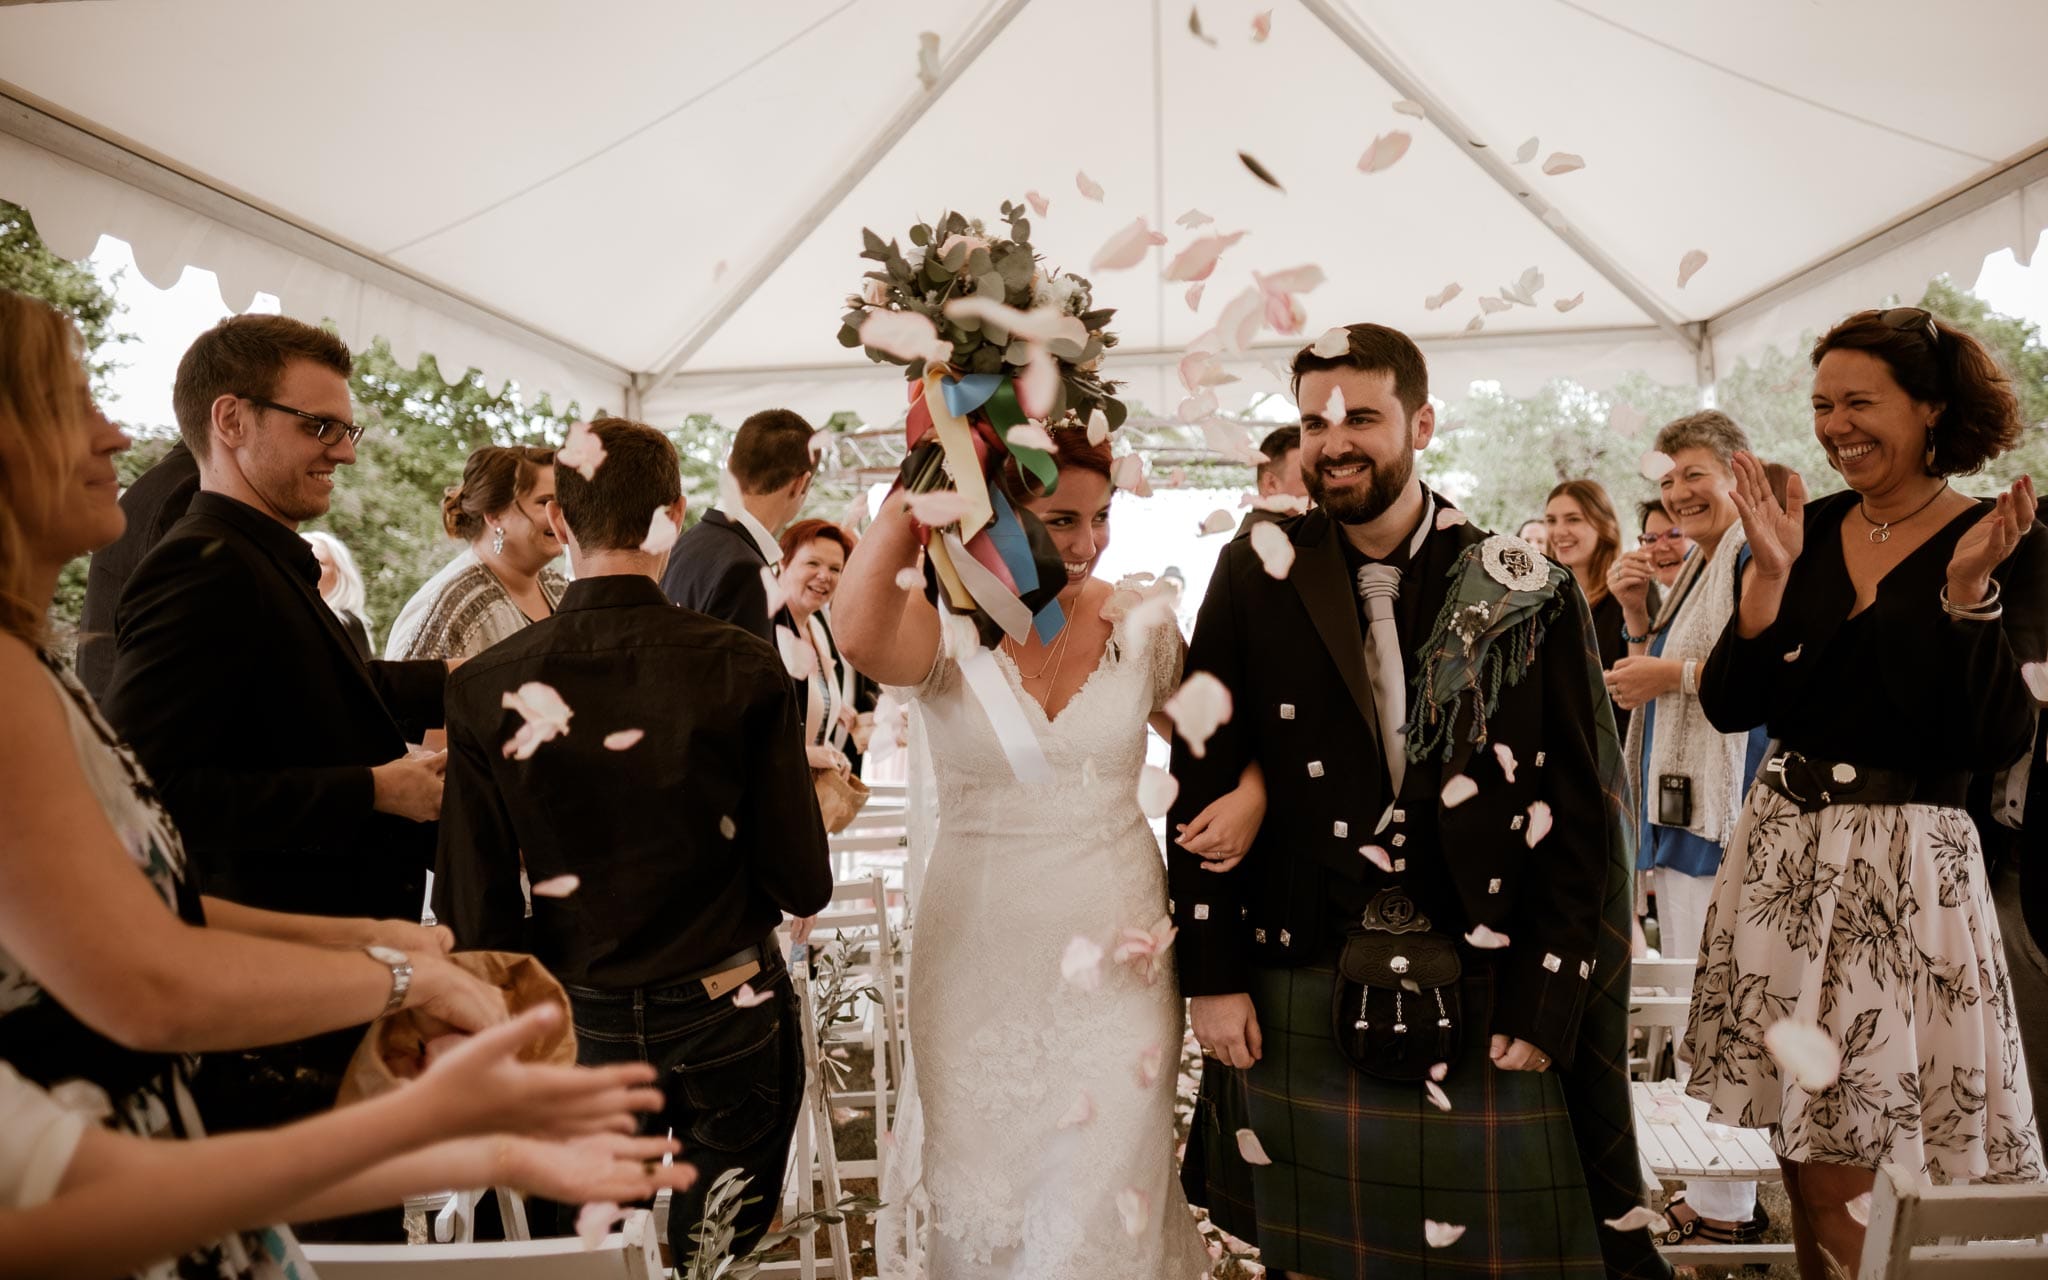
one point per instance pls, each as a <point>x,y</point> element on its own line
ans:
<point>1883,532</point>
<point>1052,658</point>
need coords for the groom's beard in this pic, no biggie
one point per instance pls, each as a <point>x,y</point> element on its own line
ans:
<point>1361,503</point>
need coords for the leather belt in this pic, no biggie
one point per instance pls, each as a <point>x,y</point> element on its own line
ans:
<point>721,976</point>
<point>1812,785</point>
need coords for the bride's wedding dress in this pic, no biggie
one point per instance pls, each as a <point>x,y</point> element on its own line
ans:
<point>1047,1144</point>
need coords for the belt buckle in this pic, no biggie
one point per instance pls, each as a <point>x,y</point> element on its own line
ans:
<point>1782,766</point>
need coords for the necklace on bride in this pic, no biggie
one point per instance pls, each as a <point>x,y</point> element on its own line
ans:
<point>1883,532</point>
<point>1053,656</point>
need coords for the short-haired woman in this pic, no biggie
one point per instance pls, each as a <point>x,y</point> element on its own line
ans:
<point>1877,636</point>
<point>505,579</point>
<point>341,586</point>
<point>814,554</point>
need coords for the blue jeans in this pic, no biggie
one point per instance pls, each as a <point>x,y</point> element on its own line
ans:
<point>733,1079</point>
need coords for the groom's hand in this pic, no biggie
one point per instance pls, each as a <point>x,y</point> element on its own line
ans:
<point>1510,1054</point>
<point>1227,1028</point>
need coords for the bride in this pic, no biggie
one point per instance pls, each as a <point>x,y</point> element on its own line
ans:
<point>1045,1068</point>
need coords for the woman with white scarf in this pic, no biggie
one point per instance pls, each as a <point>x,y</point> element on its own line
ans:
<point>813,556</point>
<point>1690,777</point>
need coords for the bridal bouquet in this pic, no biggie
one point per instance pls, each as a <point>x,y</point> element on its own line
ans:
<point>1000,353</point>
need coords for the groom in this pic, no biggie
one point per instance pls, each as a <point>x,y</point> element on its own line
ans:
<point>1430,770</point>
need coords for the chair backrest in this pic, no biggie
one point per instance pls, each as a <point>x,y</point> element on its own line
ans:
<point>1903,1213</point>
<point>631,1253</point>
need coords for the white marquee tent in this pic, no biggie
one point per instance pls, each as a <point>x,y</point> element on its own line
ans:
<point>656,207</point>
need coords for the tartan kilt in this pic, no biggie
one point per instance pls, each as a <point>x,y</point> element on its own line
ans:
<point>1358,1162</point>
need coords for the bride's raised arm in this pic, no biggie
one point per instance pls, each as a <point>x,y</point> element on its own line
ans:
<point>889,633</point>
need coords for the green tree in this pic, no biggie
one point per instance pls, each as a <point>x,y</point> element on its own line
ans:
<point>27,266</point>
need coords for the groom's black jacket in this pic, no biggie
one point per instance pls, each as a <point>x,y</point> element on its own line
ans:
<point>1292,653</point>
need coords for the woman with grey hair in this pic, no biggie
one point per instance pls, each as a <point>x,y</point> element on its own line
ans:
<point>1691,776</point>
<point>341,586</point>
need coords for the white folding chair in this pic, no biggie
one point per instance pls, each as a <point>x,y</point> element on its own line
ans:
<point>814,1159</point>
<point>2006,1223</point>
<point>631,1253</point>
<point>1676,1142</point>
<point>860,919</point>
<point>1660,999</point>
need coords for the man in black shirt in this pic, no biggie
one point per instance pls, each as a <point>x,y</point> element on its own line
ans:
<point>677,796</point>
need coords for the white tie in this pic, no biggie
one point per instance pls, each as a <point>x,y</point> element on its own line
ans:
<point>1379,585</point>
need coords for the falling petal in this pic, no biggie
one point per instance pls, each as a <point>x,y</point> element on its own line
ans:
<point>1250,1148</point>
<point>1039,384</point>
<point>905,335</point>
<point>1506,755</point>
<point>1654,464</point>
<point>624,739</point>
<point>1377,857</point>
<point>1386,820</point>
<point>1475,324</point>
<point>1539,823</point>
<point>1199,369</point>
<point>1081,963</point>
<point>1127,248</point>
<point>774,591</point>
<point>1198,260</point>
<point>1437,1097</point>
<point>1333,343</point>
<point>726,828</point>
<point>1195,27</point>
<point>938,508</point>
<point>1128,472</point>
<point>1435,300</point>
<point>746,997</point>
<point>584,452</point>
<point>1526,152</point>
<point>1439,1071</point>
<point>1333,411</point>
<point>1260,171</point>
<point>1202,703</point>
<point>928,59</point>
<point>1638,1218</point>
<point>909,580</point>
<point>2034,673</point>
<point>1230,440</point>
<point>1798,649</point>
<point>1458,790</point>
<point>1409,107</point>
<point>1032,436</point>
<point>1384,151</point>
<point>661,533</point>
<point>1805,1051</point>
<point>1486,939</point>
<point>1625,419</point>
<point>1262,26</point>
<point>799,657</point>
<point>1193,297</point>
<point>1492,305</point>
<point>1571,303</point>
<point>1149,1060</point>
<point>1280,504</point>
<point>1040,324</point>
<point>1135,1208</point>
<point>1079,1112</point>
<point>1294,279</point>
<point>1558,162</point>
<point>1156,790</point>
<point>1218,521</point>
<point>1690,264</point>
<point>1275,552</point>
<point>558,886</point>
<point>1098,426</point>
<point>1441,1235</point>
<point>594,1221</point>
<point>1197,407</point>
<point>1194,218</point>
<point>545,716</point>
<point>1088,186</point>
<point>1858,1208</point>
<point>1039,204</point>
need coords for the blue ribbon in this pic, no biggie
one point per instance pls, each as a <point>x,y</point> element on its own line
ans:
<point>965,395</point>
<point>1007,535</point>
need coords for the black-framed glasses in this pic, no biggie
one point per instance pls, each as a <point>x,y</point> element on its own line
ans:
<point>327,431</point>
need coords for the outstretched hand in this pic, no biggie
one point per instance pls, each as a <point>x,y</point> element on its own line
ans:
<point>1990,541</point>
<point>480,1086</point>
<point>1776,534</point>
<point>601,1166</point>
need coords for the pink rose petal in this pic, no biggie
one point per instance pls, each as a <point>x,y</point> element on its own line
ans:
<point>1558,162</point>
<point>1156,790</point>
<point>746,997</point>
<point>1567,304</point>
<point>1505,754</point>
<point>1333,343</point>
<point>1088,186</point>
<point>1486,939</point>
<point>583,453</point>
<point>1039,204</point>
<point>1437,1097</point>
<point>1149,1061</point>
<point>1285,504</point>
<point>1475,324</point>
<point>1262,26</point>
<point>1098,426</point>
<point>2036,676</point>
<point>1858,1207</point>
<point>1135,1208</point>
<point>1443,295</point>
<point>1202,703</point>
<point>1539,824</point>
<point>1275,552</point>
<point>1439,1071</point>
<point>1625,419</point>
<point>1384,151</point>
<point>594,1221</point>
<point>1441,1235</point>
<point>661,533</point>
<point>545,715</point>
<point>1458,790</point>
<point>1409,107</point>
<point>727,828</point>
<point>1690,264</point>
<point>1079,1112</point>
<point>557,887</point>
<point>1193,297</point>
<point>928,59</point>
<point>1127,248</point>
<point>1036,387</point>
<point>624,739</point>
<point>799,657</point>
<point>938,508</point>
<point>1040,324</point>
<point>905,335</point>
<point>1654,464</point>
<point>1251,1149</point>
<point>1638,1218</point>
<point>1807,1053</point>
<point>1377,857</point>
<point>1198,260</point>
<point>909,580</point>
<point>1526,152</point>
<point>1032,436</point>
<point>1081,963</point>
<point>1216,522</point>
<point>1194,218</point>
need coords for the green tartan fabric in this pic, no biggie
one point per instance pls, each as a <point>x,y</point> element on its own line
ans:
<point>1530,1164</point>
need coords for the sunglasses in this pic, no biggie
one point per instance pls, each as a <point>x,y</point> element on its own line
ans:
<point>328,431</point>
<point>1909,320</point>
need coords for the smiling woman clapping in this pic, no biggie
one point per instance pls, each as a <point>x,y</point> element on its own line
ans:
<point>1879,635</point>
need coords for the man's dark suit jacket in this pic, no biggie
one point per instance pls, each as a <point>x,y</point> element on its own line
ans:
<point>156,501</point>
<point>715,568</point>
<point>1293,655</point>
<point>247,702</point>
<point>689,841</point>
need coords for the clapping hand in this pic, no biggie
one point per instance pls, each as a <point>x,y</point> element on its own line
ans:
<point>1989,542</point>
<point>1776,534</point>
<point>480,1086</point>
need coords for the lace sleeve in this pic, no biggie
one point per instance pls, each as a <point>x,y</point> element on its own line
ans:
<point>1167,651</point>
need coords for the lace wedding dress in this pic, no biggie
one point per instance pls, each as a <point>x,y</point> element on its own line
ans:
<point>1046,1146</point>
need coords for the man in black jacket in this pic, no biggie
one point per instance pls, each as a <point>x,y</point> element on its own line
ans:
<point>277,750</point>
<point>156,501</point>
<point>715,567</point>
<point>673,809</point>
<point>1435,784</point>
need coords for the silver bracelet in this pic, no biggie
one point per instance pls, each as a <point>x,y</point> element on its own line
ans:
<point>1986,610</point>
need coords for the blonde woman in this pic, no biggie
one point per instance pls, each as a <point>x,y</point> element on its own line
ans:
<point>341,586</point>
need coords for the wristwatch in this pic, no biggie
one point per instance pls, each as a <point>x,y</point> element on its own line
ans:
<point>401,974</point>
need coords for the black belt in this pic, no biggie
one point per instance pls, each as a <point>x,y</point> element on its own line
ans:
<point>1812,785</point>
<point>764,951</point>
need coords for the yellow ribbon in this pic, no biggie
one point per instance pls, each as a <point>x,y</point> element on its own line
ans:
<point>956,441</point>
<point>949,577</point>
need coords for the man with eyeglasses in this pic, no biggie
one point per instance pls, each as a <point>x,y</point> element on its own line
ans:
<point>279,752</point>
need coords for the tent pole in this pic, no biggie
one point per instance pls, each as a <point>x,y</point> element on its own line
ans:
<point>1383,63</point>
<point>857,168</point>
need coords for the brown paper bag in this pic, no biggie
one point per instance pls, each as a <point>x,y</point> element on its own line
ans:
<point>840,797</point>
<point>395,1048</point>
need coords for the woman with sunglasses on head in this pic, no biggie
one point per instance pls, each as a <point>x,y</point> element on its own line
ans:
<point>505,579</point>
<point>1879,635</point>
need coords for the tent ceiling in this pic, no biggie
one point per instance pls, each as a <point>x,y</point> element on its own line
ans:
<point>576,194</point>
